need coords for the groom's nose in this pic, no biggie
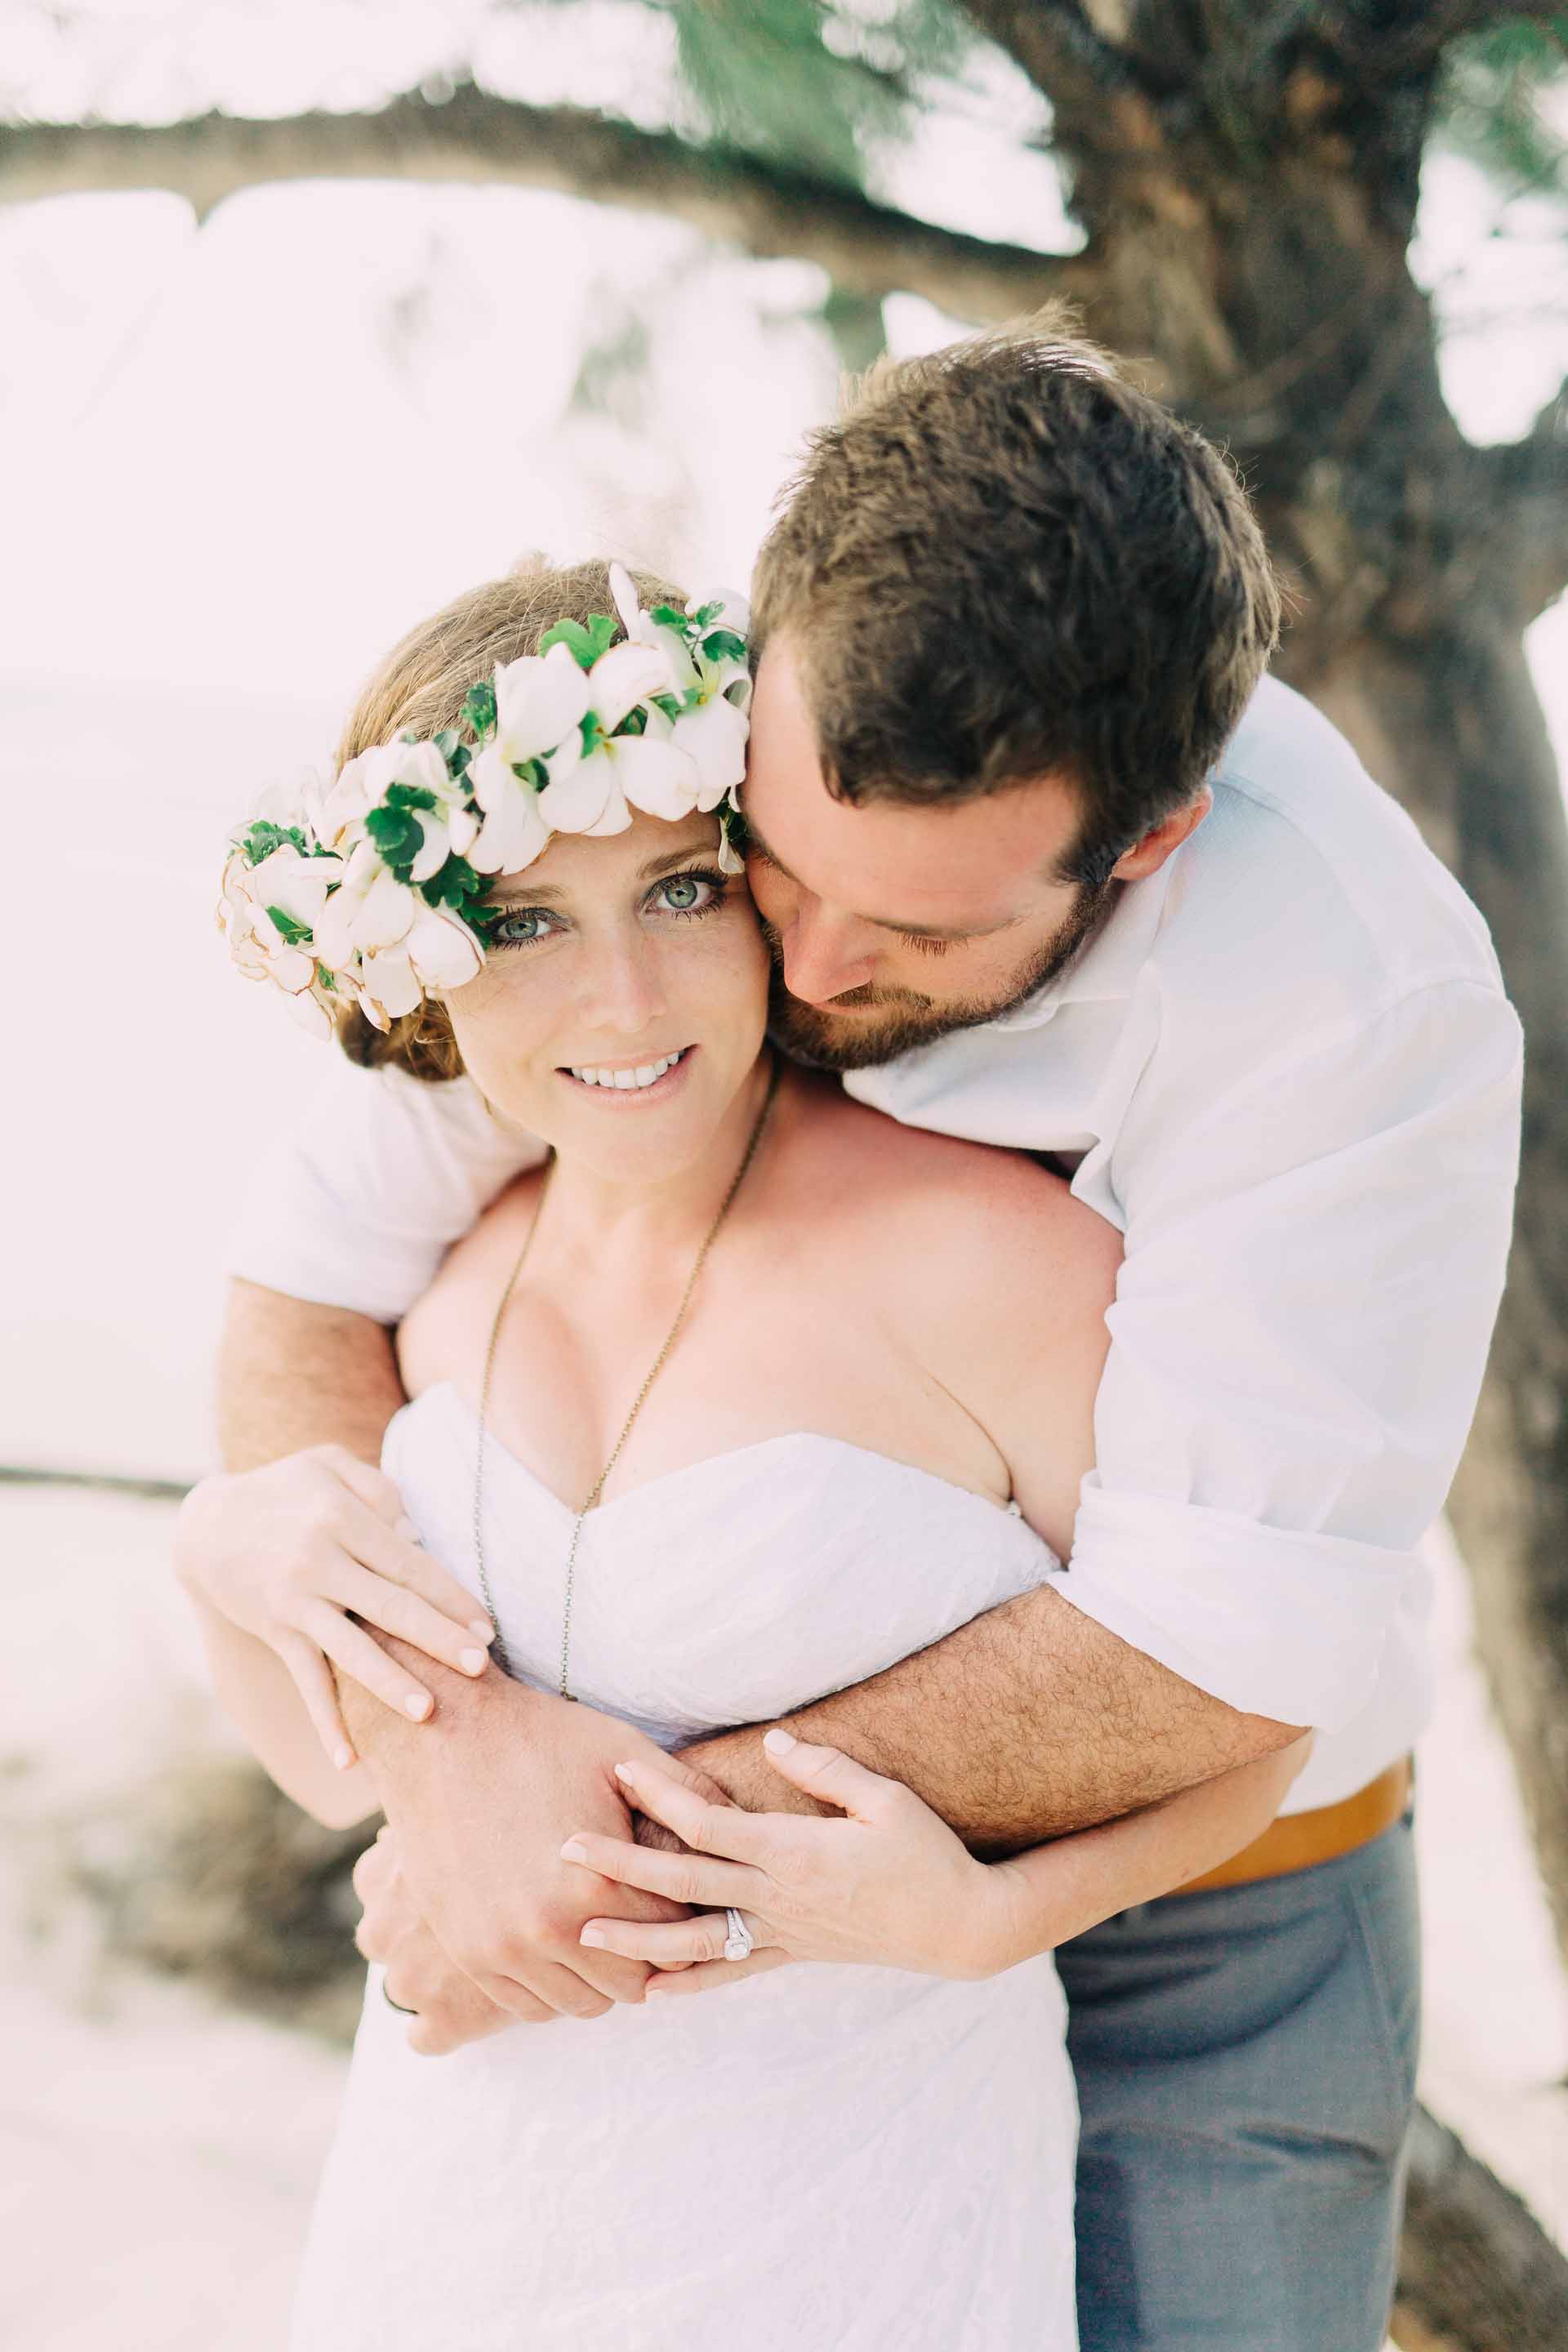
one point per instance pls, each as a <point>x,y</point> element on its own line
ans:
<point>825,955</point>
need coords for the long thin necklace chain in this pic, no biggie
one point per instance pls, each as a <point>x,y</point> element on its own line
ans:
<point>597,1488</point>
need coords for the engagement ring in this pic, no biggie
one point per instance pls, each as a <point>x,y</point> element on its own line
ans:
<point>737,1943</point>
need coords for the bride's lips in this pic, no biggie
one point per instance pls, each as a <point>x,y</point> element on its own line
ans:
<point>659,1091</point>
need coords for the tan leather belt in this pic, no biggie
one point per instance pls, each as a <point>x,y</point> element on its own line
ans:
<point>1297,1841</point>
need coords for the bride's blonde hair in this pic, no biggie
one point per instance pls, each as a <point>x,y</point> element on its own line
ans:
<point>418,689</point>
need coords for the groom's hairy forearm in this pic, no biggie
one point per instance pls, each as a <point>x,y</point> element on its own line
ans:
<point>1027,1722</point>
<point>291,1374</point>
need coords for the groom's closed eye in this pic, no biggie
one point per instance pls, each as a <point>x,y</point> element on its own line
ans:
<point>928,943</point>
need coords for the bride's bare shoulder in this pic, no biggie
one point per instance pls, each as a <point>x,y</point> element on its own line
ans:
<point>914,1195</point>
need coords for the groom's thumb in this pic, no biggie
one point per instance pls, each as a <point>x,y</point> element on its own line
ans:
<point>828,1774</point>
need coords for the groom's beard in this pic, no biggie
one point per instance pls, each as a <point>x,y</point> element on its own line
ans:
<point>842,1034</point>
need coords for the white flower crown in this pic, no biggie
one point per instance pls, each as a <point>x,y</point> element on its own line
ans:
<point>371,892</point>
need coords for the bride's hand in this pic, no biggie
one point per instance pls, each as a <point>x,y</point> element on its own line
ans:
<point>888,1884</point>
<point>286,1551</point>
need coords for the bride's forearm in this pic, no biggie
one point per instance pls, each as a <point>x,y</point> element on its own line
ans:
<point>258,1693</point>
<point>1055,1892</point>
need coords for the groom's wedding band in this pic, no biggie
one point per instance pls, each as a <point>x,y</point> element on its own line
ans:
<point>397,2005</point>
<point>740,1940</point>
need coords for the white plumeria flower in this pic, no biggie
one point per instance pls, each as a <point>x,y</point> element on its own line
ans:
<point>513,832</point>
<point>589,792</point>
<point>713,732</point>
<point>542,701</point>
<point>713,737</point>
<point>337,810</point>
<point>438,952</point>
<point>297,887</point>
<point>311,1008</point>
<point>370,908</point>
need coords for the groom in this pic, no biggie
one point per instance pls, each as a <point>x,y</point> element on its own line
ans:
<point>1045,865</point>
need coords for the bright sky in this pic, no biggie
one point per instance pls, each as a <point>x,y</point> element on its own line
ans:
<point>252,454</point>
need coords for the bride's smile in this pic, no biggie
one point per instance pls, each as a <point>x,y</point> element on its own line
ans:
<point>623,999</point>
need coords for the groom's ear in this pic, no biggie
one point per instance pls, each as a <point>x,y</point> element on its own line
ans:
<point>1147,857</point>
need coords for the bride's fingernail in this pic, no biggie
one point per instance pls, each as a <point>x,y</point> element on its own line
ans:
<point>778,1741</point>
<point>418,1704</point>
<point>625,1772</point>
<point>471,1661</point>
<point>594,1937</point>
<point>483,1628</point>
<point>342,1758</point>
<point>573,1852</point>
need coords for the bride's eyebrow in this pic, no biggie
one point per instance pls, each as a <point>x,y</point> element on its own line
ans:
<point>542,893</point>
<point>657,865</point>
<point>551,894</point>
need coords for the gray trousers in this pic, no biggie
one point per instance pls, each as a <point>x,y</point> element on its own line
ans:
<point>1246,2065</point>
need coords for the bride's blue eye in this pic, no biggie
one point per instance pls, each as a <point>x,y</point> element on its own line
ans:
<point>692,893</point>
<point>501,935</point>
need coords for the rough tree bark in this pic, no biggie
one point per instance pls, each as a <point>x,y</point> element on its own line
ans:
<point>1247,176</point>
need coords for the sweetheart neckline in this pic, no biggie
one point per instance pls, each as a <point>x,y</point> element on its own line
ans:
<point>1009,1511</point>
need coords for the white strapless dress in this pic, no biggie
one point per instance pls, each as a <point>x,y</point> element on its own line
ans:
<point>828,2159</point>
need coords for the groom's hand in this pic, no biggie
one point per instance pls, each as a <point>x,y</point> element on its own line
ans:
<point>447,2009</point>
<point>481,1797</point>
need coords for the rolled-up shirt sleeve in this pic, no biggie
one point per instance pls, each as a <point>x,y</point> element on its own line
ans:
<point>1312,1270</point>
<point>356,1205</point>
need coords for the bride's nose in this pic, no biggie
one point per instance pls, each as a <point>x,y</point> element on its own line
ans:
<point>622,989</point>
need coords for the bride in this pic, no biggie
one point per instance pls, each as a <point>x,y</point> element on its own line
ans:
<point>735,1402</point>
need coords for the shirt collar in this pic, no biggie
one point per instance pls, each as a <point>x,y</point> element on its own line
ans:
<point>1105,971</point>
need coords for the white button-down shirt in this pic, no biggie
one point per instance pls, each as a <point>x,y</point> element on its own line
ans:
<point>1287,1071</point>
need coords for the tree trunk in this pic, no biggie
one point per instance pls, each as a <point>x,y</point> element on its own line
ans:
<point>1454,729</point>
<point>1477,2273</point>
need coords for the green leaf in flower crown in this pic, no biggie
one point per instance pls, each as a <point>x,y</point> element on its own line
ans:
<point>532,771</point>
<point>292,930</point>
<point>446,742</point>
<point>480,709</point>
<point>455,885</point>
<point>723,645</point>
<point>669,617</point>
<point>261,838</point>
<point>409,796</point>
<point>325,978</point>
<point>585,645</point>
<point>457,760</point>
<point>671,705</point>
<point>398,836</point>
<point>635,722</point>
<point>705,613</point>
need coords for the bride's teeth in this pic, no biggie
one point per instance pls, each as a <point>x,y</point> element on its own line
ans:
<point>645,1074</point>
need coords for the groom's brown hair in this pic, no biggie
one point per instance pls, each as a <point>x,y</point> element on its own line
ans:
<point>1005,560</point>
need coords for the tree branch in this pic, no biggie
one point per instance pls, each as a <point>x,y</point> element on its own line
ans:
<point>1055,43</point>
<point>475,137</point>
<point>1523,490</point>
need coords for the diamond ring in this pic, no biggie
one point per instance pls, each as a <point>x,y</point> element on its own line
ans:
<point>740,1940</point>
